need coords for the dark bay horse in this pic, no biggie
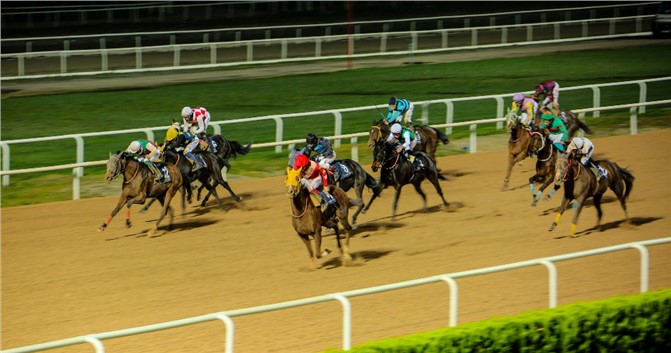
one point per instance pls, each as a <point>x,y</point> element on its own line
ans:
<point>139,184</point>
<point>580,184</point>
<point>429,137</point>
<point>209,177</point>
<point>226,149</point>
<point>308,219</point>
<point>212,161</point>
<point>573,124</point>
<point>396,171</point>
<point>518,144</point>
<point>546,153</point>
<point>358,179</point>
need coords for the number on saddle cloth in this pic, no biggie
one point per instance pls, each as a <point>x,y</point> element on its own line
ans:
<point>163,169</point>
<point>341,171</point>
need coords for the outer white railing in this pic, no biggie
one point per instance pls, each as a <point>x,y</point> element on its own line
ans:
<point>343,298</point>
<point>78,168</point>
<point>326,28</point>
<point>206,55</point>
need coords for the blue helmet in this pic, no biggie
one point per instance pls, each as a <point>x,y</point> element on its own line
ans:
<point>392,100</point>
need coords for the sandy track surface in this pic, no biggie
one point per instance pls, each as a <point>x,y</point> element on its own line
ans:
<point>62,278</point>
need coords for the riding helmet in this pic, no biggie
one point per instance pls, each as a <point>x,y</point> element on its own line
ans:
<point>311,139</point>
<point>396,128</point>
<point>186,112</point>
<point>301,161</point>
<point>392,100</point>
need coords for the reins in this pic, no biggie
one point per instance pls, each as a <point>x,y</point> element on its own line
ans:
<point>137,170</point>
<point>307,199</point>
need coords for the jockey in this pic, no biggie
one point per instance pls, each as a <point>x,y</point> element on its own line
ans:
<point>526,107</point>
<point>190,144</point>
<point>324,153</point>
<point>400,110</point>
<point>199,117</point>
<point>558,133</point>
<point>550,92</point>
<point>407,139</point>
<point>314,179</point>
<point>148,153</point>
<point>584,148</point>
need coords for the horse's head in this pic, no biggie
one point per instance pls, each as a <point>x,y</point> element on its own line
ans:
<point>378,132</point>
<point>293,182</point>
<point>378,155</point>
<point>511,120</point>
<point>115,166</point>
<point>562,168</point>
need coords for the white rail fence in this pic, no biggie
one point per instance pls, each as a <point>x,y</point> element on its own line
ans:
<point>304,30</point>
<point>338,136</point>
<point>343,297</point>
<point>66,63</point>
<point>78,168</point>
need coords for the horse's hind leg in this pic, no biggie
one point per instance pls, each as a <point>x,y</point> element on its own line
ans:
<point>580,202</point>
<point>344,249</point>
<point>599,212</point>
<point>146,207</point>
<point>230,191</point>
<point>439,190</point>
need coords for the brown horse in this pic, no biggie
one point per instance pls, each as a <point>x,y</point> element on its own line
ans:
<point>518,144</point>
<point>580,184</point>
<point>544,149</point>
<point>138,185</point>
<point>428,137</point>
<point>308,219</point>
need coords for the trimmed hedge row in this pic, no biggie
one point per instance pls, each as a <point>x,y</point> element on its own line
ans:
<point>638,323</point>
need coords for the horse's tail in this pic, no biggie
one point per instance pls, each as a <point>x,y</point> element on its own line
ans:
<point>238,149</point>
<point>441,136</point>
<point>373,184</point>
<point>628,179</point>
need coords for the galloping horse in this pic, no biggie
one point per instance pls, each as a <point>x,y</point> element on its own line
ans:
<point>396,170</point>
<point>543,148</point>
<point>580,184</point>
<point>573,124</point>
<point>212,162</point>
<point>139,184</point>
<point>225,149</point>
<point>428,137</point>
<point>308,219</point>
<point>357,178</point>
<point>518,144</point>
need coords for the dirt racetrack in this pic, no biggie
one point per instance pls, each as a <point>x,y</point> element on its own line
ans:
<point>61,278</point>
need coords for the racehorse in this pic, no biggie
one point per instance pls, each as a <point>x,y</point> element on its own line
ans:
<point>139,184</point>
<point>580,184</point>
<point>212,161</point>
<point>573,124</point>
<point>396,170</point>
<point>428,137</point>
<point>212,172</point>
<point>225,149</point>
<point>352,176</point>
<point>543,148</point>
<point>518,144</point>
<point>308,219</point>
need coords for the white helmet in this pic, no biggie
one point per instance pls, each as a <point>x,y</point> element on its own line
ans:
<point>134,147</point>
<point>579,142</point>
<point>396,128</point>
<point>186,112</point>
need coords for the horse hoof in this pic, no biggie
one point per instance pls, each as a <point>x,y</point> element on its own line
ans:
<point>101,229</point>
<point>238,199</point>
<point>347,260</point>
<point>128,224</point>
<point>325,252</point>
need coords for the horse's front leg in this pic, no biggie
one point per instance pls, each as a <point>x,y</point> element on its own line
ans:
<point>509,169</point>
<point>564,203</point>
<point>108,219</point>
<point>146,207</point>
<point>397,194</point>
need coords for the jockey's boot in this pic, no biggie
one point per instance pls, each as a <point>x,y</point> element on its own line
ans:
<point>336,173</point>
<point>157,173</point>
<point>196,162</point>
<point>595,170</point>
<point>327,200</point>
<point>210,143</point>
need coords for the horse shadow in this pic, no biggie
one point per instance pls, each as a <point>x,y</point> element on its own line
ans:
<point>175,228</point>
<point>358,258</point>
<point>633,222</point>
<point>451,175</point>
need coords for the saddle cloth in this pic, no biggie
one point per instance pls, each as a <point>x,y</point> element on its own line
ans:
<point>165,177</point>
<point>344,171</point>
